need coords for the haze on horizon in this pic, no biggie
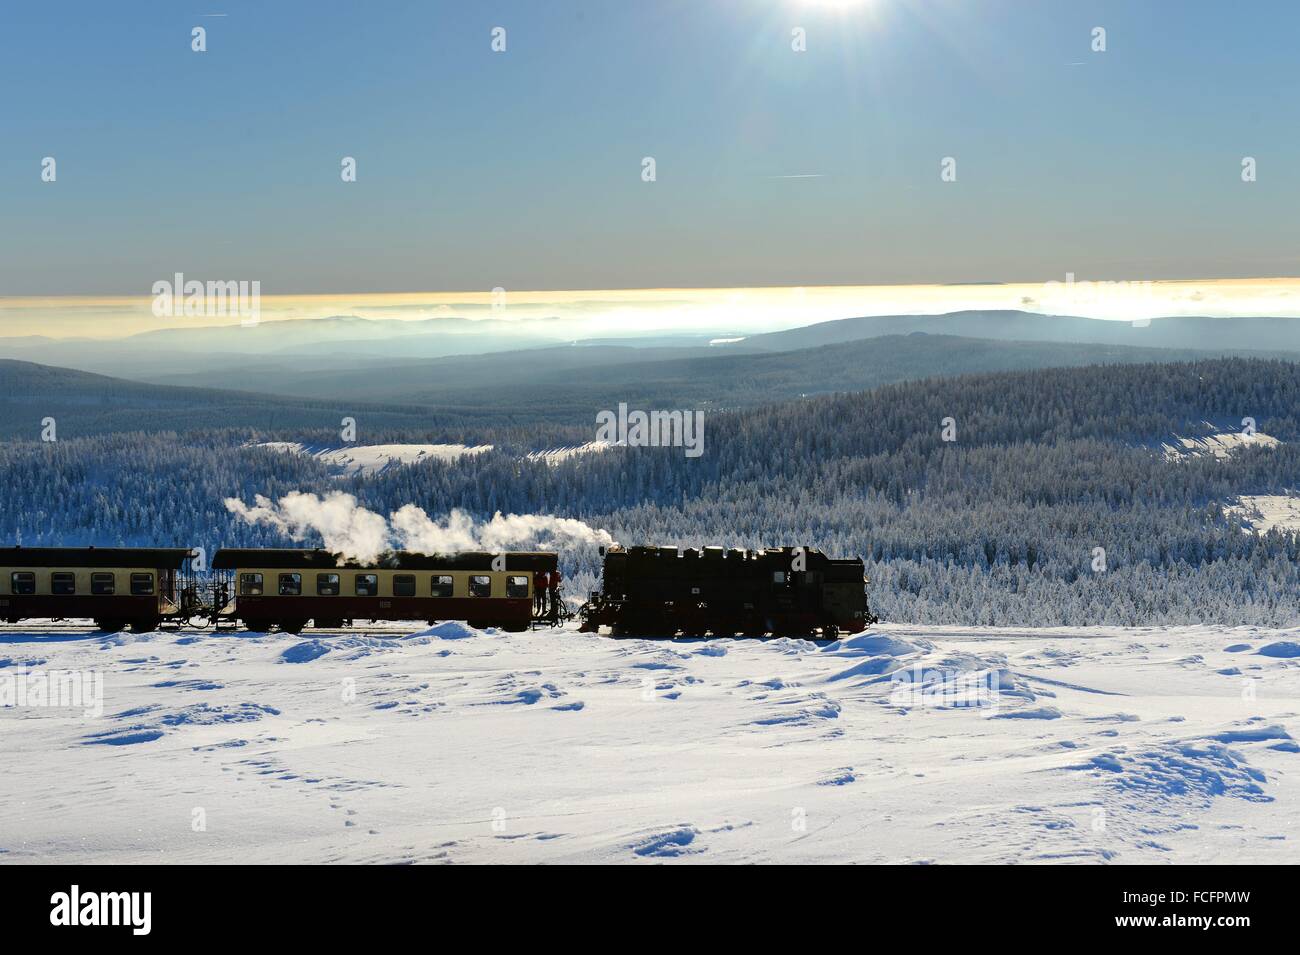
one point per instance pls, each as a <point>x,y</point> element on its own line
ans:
<point>623,312</point>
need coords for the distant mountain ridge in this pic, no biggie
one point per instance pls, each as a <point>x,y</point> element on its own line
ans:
<point>283,356</point>
<point>1208,333</point>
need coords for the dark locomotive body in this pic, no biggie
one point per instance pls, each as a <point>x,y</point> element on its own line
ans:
<point>661,591</point>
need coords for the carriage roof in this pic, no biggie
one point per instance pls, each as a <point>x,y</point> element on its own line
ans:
<point>229,558</point>
<point>156,557</point>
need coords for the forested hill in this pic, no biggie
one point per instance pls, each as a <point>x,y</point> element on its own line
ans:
<point>1126,403</point>
<point>1000,525</point>
<point>477,396</point>
<point>83,403</point>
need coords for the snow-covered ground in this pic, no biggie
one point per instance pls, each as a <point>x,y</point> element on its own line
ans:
<point>363,459</point>
<point>353,459</point>
<point>1220,445</point>
<point>557,455</point>
<point>1263,512</point>
<point>454,745</point>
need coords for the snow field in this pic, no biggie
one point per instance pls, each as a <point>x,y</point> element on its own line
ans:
<point>448,744</point>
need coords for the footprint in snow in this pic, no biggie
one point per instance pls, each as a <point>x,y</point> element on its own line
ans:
<point>841,777</point>
<point>304,652</point>
<point>1036,713</point>
<point>1283,649</point>
<point>127,737</point>
<point>668,844</point>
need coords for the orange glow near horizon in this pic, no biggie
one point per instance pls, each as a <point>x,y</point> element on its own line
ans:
<point>591,312</point>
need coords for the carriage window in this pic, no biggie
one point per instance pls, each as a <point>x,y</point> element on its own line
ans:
<point>367,585</point>
<point>250,585</point>
<point>778,577</point>
<point>23,582</point>
<point>291,585</point>
<point>404,585</point>
<point>480,586</point>
<point>516,586</point>
<point>102,585</point>
<point>442,586</point>
<point>327,585</point>
<point>62,584</point>
<point>142,585</point>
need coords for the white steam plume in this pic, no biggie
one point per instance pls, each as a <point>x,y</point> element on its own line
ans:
<point>349,529</point>
<point>421,534</point>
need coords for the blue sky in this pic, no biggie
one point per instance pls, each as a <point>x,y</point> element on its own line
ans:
<point>522,169</point>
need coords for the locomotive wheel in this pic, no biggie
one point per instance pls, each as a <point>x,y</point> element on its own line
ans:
<point>292,626</point>
<point>145,626</point>
<point>258,626</point>
<point>830,632</point>
<point>110,626</point>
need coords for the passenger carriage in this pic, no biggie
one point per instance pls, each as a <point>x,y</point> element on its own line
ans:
<point>117,587</point>
<point>287,588</point>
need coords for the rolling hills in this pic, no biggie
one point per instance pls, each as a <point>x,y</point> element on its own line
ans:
<point>559,386</point>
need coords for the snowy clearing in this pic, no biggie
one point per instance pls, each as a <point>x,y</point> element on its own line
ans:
<point>557,455</point>
<point>367,459</point>
<point>352,460</point>
<point>1220,445</point>
<point>448,744</point>
<point>1263,512</point>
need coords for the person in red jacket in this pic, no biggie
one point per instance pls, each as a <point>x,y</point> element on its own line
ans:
<point>541,581</point>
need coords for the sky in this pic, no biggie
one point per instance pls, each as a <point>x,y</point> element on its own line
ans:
<point>523,169</point>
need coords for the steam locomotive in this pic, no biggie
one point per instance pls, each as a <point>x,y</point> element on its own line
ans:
<point>786,591</point>
<point>651,591</point>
